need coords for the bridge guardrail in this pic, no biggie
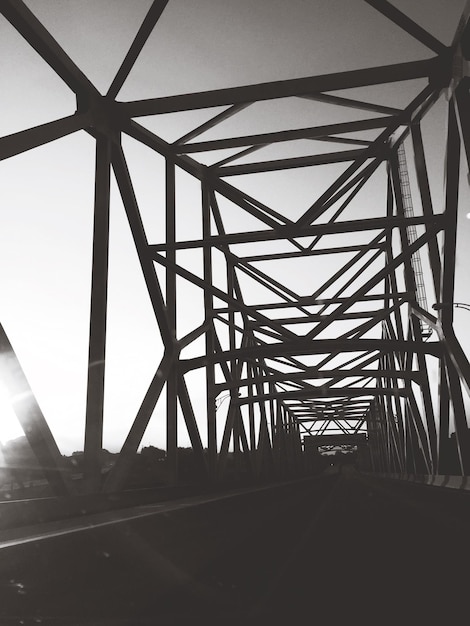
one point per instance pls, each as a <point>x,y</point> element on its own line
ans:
<point>438,480</point>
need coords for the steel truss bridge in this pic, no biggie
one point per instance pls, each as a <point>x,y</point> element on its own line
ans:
<point>315,327</point>
<point>348,349</point>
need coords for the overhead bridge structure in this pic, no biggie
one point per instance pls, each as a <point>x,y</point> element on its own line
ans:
<point>303,320</point>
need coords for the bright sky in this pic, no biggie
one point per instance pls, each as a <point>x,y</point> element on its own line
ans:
<point>46,195</point>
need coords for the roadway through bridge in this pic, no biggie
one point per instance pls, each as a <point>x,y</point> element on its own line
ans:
<point>329,549</point>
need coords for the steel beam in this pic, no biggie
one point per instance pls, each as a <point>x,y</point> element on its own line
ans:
<point>287,232</point>
<point>317,346</point>
<point>39,38</point>
<point>145,30</point>
<point>98,318</point>
<point>408,25</point>
<point>287,164</point>
<point>172,382</point>
<point>120,471</point>
<point>126,189</point>
<point>430,68</point>
<point>209,338</point>
<point>14,144</point>
<point>315,132</point>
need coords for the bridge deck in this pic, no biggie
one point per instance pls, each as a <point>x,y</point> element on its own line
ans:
<point>336,547</point>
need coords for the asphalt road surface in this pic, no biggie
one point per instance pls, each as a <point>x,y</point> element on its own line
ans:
<point>339,549</point>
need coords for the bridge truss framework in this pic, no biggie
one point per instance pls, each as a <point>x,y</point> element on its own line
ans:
<point>353,355</point>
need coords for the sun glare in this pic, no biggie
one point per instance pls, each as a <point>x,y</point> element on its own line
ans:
<point>9,425</point>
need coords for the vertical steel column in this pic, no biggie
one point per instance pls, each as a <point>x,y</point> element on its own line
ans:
<point>373,438</point>
<point>236,430</point>
<point>395,440</point>
<point>422,458</point>
<point>411,445</point>
<point>274,430</point>
<point>119,472</point>
<point>265,450</point>
<point>426,202</point>
<point>279,434</point>
<point>251,413</point>
<point>386,434</point>
<point>443,449</point>
<point>298,447</point>
<point>460,420</point>
<point>289,442</point>
<point>226,437</point>
<point>236,433</point>
<point>97,340</point>
<point>245,448</point>
<point>208,306</point>
<point>446,312</point>
<point>290,445</point>
<point>430,436</point>
<point>462,95</point>
<point>426,397</point>
<point>395,411</point>
<point>381,440</point>
<point>172,382</point>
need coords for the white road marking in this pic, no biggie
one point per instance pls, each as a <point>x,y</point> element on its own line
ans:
<point>12,538</point>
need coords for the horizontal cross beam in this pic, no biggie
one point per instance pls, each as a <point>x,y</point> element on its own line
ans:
<point>428,68</point>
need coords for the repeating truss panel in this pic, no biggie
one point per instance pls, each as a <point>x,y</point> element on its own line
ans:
<point>290,244</point>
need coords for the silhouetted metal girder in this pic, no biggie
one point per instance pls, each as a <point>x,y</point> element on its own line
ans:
<point>243,200</point>
<point>286,232</point>
<point>412,114</point>
<point>336,440</point>
<point>352,415</point>
<point>357,416</point>
<point>286,164</point>
<point>324,404</point>
<point>308,253</point>
<point>318,346</point>
<point>345,316</point>
<point>39,38</point>
<point>367,287</point>
<point>295,407</point>
<point>306,319</point>
<point>309,301</point>
<point>310,374</point>
<point>331,392</point>
<point>153,15</point>
<point>352,410</point>
<point>430,68</point>
<point>352,103</point>
<point>411,27</point>
<point>318,405</point>
<point>352,423</point>
<point>24,140</point>
<point>314,407</point>
<point>315,132</point>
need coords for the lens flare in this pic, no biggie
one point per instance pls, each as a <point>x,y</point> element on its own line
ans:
<point>9,425</point>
